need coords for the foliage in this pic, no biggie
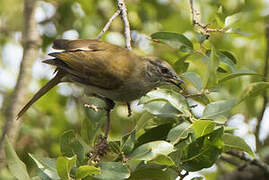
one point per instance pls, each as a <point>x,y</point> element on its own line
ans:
<point>168,136</point>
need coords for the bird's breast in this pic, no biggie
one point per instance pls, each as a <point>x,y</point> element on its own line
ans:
<point>133,84</point>
<point>129,91</point>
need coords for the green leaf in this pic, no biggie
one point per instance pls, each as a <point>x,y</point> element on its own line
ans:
<point>180,65</point>
<point>174,40</point>
<point>91,125</point>
<point>237,143</point>
<point>78,149</point>
<point>179,132</point>
<point>203,127</point>
<point>65,141</point>
<point>152,122</point>
<point>70,146</point>
<point>44,176</point>
<point>203,152</point>
<point>151,150</point>
<point>228,129</point>
<point>64,166</point>
<point>217,108</point>
<point>229,55</point>
<point>221,119</point>
<point>15,165</point>
<point>221,70</point>
<point>115,146</point>
<point>153,173</point>
<point>143,120</point>
<point>219,17</point>
<point>47,166</point>
<point>231,20</point>
<point>176,156</point>
<point>113,170</point>
<point>204,99</point>
<point>253,90</point>
<point>162,109</point>
<point>194,78</point>
<point>127,142</point>
<point>211,72</point>
<point>36,178</point>
<point>163,160</point>
<point>170,96</point>
<point>86,170</point>
<point>238,31</point>
<point>197,178</point>
<point>237,74</point>
<point>86,130</point>
<point>201,37</point>
<point>228,59</point>
<point>153,134</point>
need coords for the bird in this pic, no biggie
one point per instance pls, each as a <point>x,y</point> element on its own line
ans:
<point>105,70</point>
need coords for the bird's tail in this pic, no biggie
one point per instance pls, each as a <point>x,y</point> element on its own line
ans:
<point>53,82</point>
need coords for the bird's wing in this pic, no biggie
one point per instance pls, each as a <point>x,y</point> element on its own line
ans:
<point>106,69</point>
<point>81,44</point>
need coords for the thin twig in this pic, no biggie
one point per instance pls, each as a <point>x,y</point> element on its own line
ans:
<point>122,10</point>
<point>94,107</point>
<point>204,27</point>
<point>255,162</point>
<point>127,32</point>
<point>108,24</point>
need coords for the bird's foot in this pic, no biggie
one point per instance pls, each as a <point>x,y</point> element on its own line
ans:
<point>101,145</point>
<point>129,109</point>
<point>109,104</point>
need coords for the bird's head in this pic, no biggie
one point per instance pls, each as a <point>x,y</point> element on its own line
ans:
<point>160,72</point>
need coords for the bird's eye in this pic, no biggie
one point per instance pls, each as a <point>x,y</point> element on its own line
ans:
<point>164,70</point>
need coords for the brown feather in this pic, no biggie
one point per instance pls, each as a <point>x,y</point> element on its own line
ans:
<point>53,82</point>
<point>97,67</point>
<point>81,44</point>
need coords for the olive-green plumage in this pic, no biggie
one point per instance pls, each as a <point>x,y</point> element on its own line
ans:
<point>106,70</point>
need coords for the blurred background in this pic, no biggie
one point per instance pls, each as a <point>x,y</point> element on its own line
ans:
<point>62,108</point>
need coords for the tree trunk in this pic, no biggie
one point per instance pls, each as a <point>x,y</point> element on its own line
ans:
<point>31,43</point>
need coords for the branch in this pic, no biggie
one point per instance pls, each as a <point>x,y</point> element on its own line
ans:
<point>31,43</point>
<point>127,32</point>
<point>122,10</point>
<point>108,24</point>
<point>265,97</point>
<point>230,161</point>
<point>196,22</point>
<point>255,162</point>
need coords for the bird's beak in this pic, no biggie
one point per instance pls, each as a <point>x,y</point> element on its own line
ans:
<point>176,81</point>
